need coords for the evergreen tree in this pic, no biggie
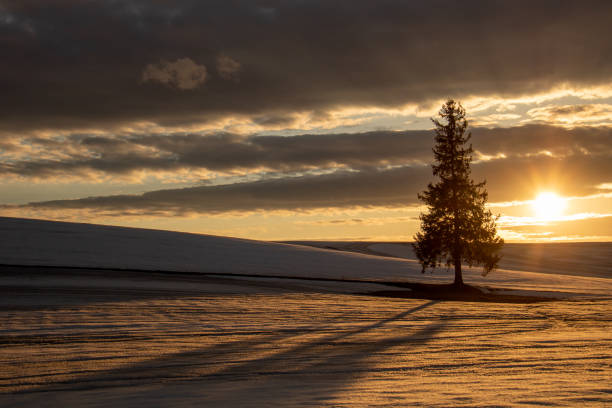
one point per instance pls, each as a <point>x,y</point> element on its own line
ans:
<point>456,228</point>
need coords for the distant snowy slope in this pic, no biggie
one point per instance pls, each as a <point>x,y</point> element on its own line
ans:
<point>568,258</point>
<point>36,242</point>
<point>592,259</point>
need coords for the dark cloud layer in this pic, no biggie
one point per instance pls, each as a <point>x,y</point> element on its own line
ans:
<point>74,64</point>
<point>227,152</point>
<point>507,180</point>
<point>341,189</point>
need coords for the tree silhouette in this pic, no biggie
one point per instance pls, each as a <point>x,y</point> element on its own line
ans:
<point>456,228</point>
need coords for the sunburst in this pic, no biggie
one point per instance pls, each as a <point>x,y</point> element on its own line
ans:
<point>548,205</point>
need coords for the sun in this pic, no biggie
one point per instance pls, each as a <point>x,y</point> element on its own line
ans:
<point>548,205</point>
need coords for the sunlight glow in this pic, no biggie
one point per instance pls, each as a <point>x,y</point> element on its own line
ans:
<point>548,205</point>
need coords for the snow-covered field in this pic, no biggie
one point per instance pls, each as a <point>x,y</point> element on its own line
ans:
<point>35,242</point>
<point>104,337</point>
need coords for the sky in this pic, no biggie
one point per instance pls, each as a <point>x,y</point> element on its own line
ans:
<point>303,120</point>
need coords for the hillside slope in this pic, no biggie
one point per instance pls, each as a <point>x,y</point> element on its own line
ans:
<point>50,243</point>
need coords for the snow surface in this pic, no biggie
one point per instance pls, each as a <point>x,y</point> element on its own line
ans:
<point>36,242</point>
<point>83,337</point>
<point>93,348</point>
<point>560,258</point>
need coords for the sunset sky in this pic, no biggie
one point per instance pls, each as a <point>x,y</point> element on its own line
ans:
<point>290,120</point>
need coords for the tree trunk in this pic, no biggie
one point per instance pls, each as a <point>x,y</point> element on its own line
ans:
<point>458,277</point>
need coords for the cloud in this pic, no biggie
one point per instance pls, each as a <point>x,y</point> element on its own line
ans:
<point>585,227</point>
<point>229,153</point>
<point>227,67</point>
<point>182,74</point>
<point>342,189</point>
<point>396,187</point>
<point>493,119</point>
<point>573,115</point>
<point>371,221</point>
<point>533,139</point>
<point>309,56</point>
<point>510,221</point>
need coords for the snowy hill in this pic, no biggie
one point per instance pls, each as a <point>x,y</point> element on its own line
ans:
<point>50,243</point>
<point>566,258</point>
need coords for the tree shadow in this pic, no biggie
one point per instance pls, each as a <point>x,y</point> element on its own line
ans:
<point>33,288</point>
<point>291,368</point>
<point>451,292</point>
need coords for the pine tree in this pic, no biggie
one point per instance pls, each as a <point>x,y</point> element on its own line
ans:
<point>457,228</point>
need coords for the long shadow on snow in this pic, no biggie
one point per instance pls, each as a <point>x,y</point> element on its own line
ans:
<point>327,364</point>
<point>49,288</point>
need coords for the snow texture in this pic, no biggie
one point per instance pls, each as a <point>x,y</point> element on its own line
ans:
<point>63,347</point>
